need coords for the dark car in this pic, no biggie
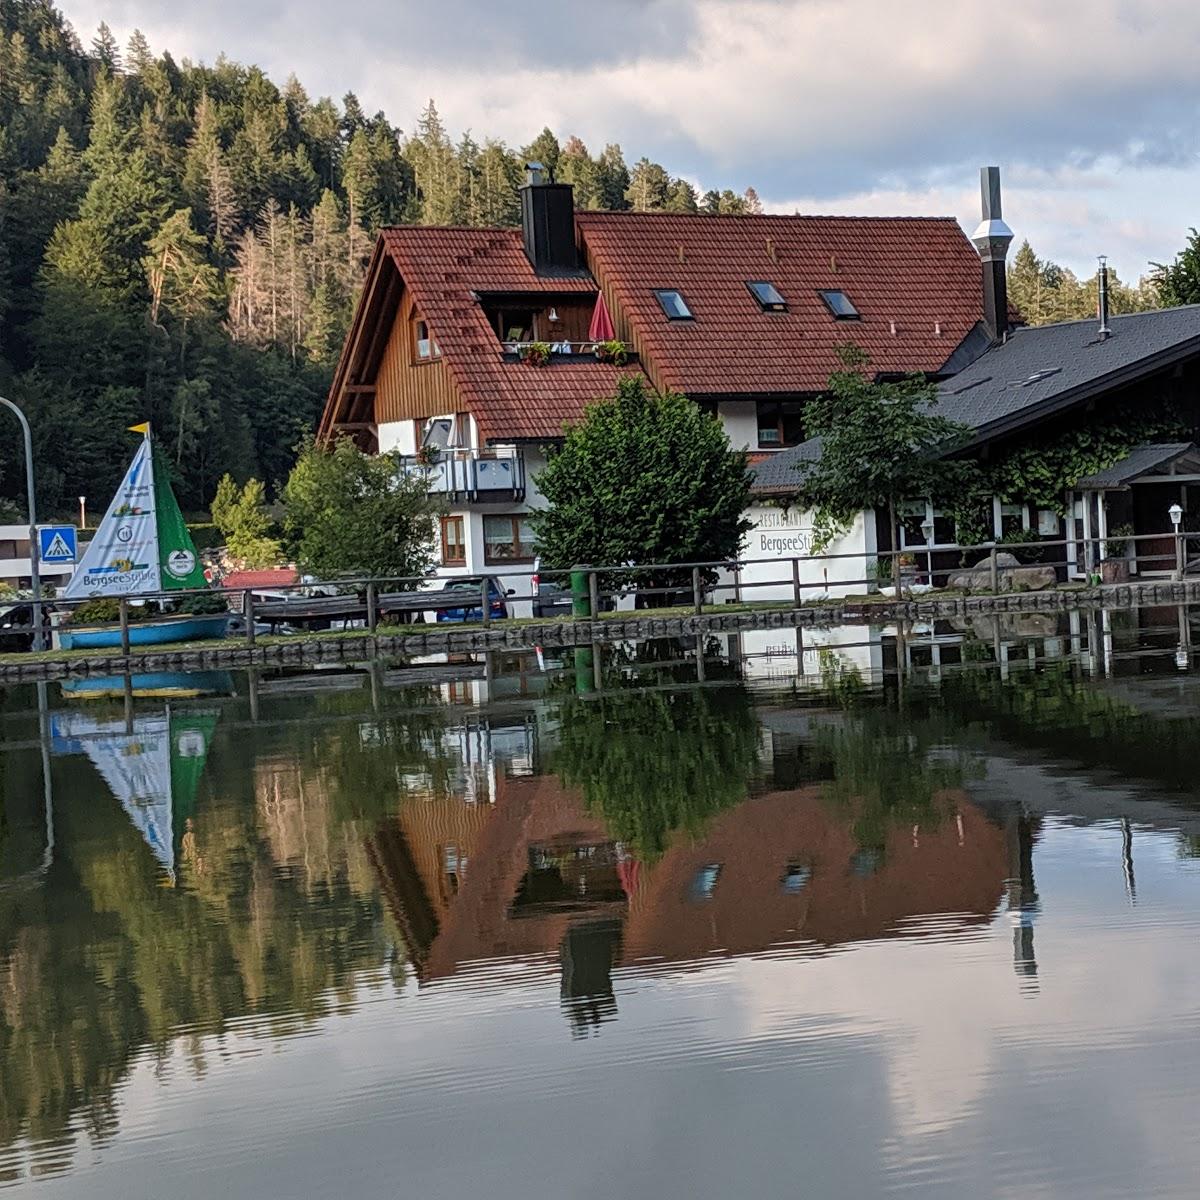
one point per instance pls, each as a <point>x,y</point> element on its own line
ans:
<point>471,587</point>
<point>16,628</point>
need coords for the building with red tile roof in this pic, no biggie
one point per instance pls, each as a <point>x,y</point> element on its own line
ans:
<point>744,314</point>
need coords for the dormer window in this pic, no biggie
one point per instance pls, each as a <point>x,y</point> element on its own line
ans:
<point>840,305</point>
<point>673,304</point>
<point>767,295</point>
<point>425,344</point>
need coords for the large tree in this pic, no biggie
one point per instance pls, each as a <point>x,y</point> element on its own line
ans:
<point>1179,280</point>
<point>881,443</point>
<point>349,513</point>
<point>643,478</point>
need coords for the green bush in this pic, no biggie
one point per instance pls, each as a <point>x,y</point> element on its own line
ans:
<point>1024,545</point>
<point>206,536</point>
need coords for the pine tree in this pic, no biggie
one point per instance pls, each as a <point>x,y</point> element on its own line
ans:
<point>105,49</point>
<point>544,149</point>
<point>182,283</point>
<point>648,187</point>
<point>681,197</point>
<point>138,55</point>
<point>435,168</point>
<point>612,179</point>
<point>577,167</point>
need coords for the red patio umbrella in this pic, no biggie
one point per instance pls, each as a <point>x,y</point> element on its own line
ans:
<point>601,329</point>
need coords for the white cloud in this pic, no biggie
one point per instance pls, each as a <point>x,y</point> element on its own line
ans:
<point>1089,103</point>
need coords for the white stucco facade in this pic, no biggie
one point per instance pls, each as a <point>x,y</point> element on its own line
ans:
<point>780,535</point>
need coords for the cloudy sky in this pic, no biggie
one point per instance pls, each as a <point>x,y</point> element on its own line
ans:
<point>1091,107</point>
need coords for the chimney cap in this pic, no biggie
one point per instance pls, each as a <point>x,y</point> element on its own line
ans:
<point>535,174</point>
<point>992,237</point>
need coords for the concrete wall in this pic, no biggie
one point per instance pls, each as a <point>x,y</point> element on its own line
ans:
<point>740,419</point>
<point>778,536</point>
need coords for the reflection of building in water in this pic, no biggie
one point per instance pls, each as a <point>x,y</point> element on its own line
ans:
<point>535,876</point>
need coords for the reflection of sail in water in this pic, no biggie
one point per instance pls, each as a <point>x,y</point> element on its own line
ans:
<point>153,771</point>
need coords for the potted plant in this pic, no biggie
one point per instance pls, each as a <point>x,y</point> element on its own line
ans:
<point>426,456</point>
<point>535,354</point>
<point>612,351</point>
<point>1115,566</point>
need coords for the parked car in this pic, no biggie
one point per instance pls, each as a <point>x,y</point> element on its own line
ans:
<point>16,628</point>
<point>471,586</point>
<point>552,597</point>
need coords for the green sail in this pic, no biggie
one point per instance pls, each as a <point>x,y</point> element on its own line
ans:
<point>177,555</point>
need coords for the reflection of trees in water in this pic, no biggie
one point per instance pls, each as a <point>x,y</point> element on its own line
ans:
<point>887,770</point>
<point>1059,710</point>
<point>275,915</point>
<point>650,762</point>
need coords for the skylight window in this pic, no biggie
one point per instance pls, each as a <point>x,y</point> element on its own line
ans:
<point>767,295</point>
<point>839,304</point>
<point>673,304</point>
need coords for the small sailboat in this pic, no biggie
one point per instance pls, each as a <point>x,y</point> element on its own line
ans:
<point>142,547</point>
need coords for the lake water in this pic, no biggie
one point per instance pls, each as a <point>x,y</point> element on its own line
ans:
<point>849,914</point>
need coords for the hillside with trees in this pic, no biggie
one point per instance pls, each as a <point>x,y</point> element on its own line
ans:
<point>184,243</point>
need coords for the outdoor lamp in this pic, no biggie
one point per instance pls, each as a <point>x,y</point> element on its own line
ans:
<point>927,530</point>
<point>1176,512</point>
<point>1181,658</point>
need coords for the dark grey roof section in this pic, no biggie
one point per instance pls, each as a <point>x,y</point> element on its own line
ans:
<point>1144,460</point>
<point>1039,370</point>
<point>968,350</point>
<point>781,473</point>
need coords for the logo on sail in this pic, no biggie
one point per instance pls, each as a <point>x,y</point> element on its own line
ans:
<point>181,563</point>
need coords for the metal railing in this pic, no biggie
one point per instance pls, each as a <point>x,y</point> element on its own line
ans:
<point>368,602</point>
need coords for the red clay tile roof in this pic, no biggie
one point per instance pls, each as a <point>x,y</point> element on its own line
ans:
<point>917,272</point>
<point>281,577</point>
<point>444,268</point>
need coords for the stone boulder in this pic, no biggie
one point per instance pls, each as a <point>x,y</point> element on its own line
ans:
<point>1011,576</point>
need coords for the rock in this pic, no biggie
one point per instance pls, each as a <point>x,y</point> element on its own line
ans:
<point>1011,576</point>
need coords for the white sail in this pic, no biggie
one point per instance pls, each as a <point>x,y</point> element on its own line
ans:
<point>137,768</point>
<point>123,558</point>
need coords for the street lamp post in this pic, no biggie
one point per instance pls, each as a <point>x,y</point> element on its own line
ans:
<point>927,530</point>
<point>35,575</point>
<point>1176,514</point>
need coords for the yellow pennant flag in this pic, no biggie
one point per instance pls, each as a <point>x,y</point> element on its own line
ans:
<point>144,427</point>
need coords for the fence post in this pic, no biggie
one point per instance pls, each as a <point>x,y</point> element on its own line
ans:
<point>123,607</point>
<point>1178,555</point>
<point>485,601</point>
<point>994,569</point>
<point>248,615</point>
<point>594,594</point>
<point>796,582</point>
<point>697,596</point>
<point>737,583</point>
<point>372,608</point>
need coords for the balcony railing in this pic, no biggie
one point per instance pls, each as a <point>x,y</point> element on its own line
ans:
<point>563,351</point>
<point>473,475</point>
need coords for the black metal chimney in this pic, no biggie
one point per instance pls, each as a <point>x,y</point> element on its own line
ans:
<point>992,239</point>
<point>548,222</point>
<point>1105,332</point>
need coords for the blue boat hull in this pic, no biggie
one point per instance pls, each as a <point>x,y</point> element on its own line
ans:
<point>177,685</point>
<point>147,633</point>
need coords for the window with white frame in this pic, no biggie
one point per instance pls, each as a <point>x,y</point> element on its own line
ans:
<point>913,514</point>
<point>1009,519</point>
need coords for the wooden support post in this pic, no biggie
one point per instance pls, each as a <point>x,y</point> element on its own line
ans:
<point>994,569</point>
<point>737,583</point>
<point>697,594</point>
<point>372,608</point>
<point>796,590</point>
<point>594,594</point>
<point>248,615</point>
<point>123,609</point>
<point>485,600</point>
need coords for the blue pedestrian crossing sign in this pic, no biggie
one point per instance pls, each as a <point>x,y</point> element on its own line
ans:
<point>57,543</point>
